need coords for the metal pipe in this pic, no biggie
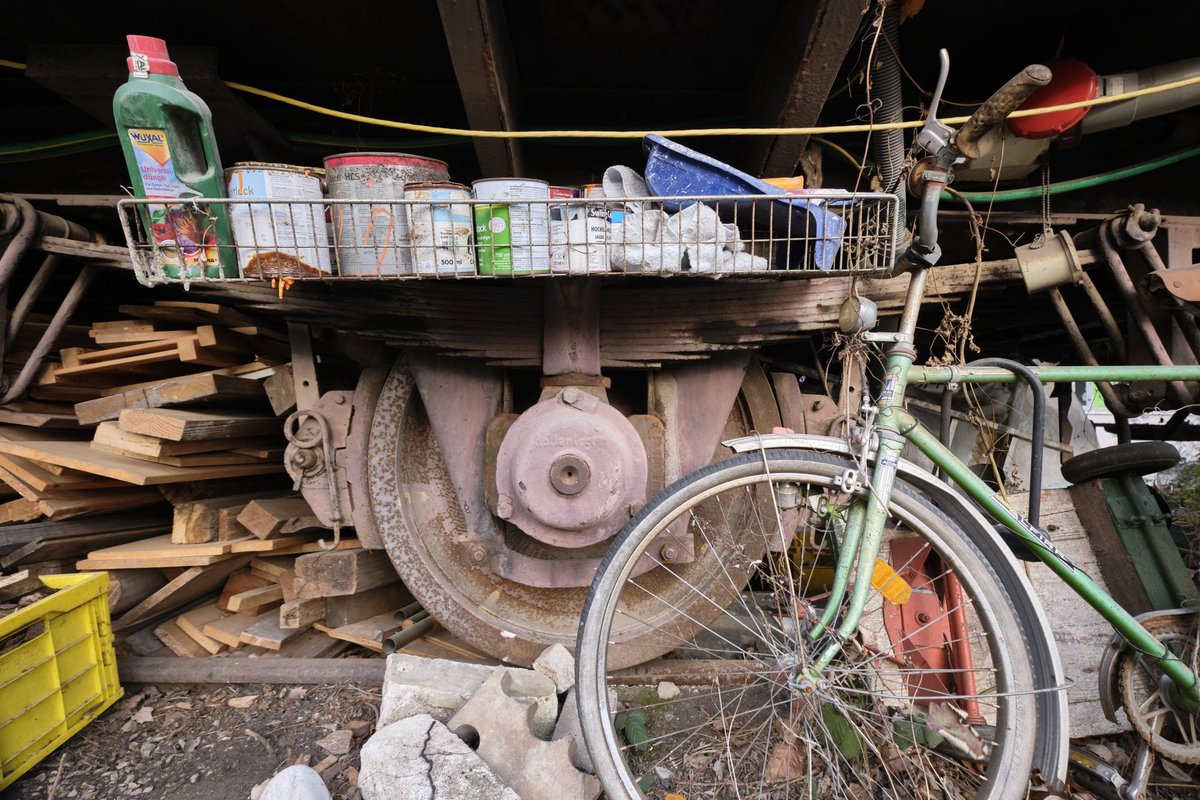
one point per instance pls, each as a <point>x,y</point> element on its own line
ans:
<point>402,638</point>
<point>1115,337</point>
<point>888,146</point>
<point>50,336</point>
<point>1145,327</point>
<point>920,375</point>
<point>21,239</point>
<point>1115,404</point>
<point>1122,113</point>
<point>32,292</point>
<point>1038,434</point>
<point>1185,321</point>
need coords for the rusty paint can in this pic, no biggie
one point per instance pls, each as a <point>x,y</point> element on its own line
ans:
<point>371,238</point>
<point>592,191</point>
<point>439,228</point>
<point>529,219</point>
<point>276,238</point>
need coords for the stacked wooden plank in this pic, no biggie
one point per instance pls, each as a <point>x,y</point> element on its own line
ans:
<point>152,449</point>
<point>307,605</point>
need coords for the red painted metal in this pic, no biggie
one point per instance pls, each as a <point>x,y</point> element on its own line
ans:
<point>1073,81</point>
<point>570,470</point>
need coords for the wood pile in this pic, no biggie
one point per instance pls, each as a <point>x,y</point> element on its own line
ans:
<point>155,453</point>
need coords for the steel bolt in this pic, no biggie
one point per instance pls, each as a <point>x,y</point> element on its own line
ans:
<point>339,399</point>
<point>504,507</point>
<point>923,617</point>
<point>570,395</point>
<point>669,552</point>
<point>477,555</point>
<point>304,459</point>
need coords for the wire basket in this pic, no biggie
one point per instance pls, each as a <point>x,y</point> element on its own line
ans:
<point>452,238</point>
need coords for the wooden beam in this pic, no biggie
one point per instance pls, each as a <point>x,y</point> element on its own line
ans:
<point>365,671</point>
<point>477,37</point>
<point>793,79</point>
<point>342,572</point>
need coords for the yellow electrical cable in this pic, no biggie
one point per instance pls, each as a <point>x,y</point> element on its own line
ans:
<point>585,134</point>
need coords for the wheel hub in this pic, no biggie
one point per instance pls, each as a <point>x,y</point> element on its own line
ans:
<point>570,469</point>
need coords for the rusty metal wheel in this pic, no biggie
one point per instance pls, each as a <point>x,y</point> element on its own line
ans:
<point>421,522</point>
<point>1171,730</point>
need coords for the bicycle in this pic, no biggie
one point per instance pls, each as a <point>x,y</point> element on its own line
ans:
<point>869,634</point>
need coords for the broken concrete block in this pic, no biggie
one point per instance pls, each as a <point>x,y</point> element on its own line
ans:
<point>557,664</point>
<point>438,687</point>
<point>536,769</point>
<point>418,758</point>
<point>295,783</point>
<point>414,685</point>
<point>568,728</point>
<point>525,684</point>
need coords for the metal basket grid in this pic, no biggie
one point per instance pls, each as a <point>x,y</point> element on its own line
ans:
<point>770,236</point>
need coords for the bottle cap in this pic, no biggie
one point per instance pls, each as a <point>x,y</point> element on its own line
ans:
<point>149,55</point>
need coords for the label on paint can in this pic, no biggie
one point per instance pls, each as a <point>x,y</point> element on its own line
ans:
<point>439,227</point>
<point>580,240</point>
<point>529,222</point>
<point>273,239</point>
<point>493,240</point>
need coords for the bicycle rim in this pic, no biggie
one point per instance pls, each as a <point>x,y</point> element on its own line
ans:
<point>929,699</point>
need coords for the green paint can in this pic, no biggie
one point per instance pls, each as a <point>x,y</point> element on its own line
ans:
<point>493,240</point>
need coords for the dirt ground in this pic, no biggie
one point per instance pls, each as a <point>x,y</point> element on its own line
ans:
<point>200,743</point>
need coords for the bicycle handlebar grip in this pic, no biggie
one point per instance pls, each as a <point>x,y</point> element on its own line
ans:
<point>997,108</point>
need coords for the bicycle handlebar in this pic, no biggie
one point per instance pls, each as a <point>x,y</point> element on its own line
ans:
<point>997,107</point>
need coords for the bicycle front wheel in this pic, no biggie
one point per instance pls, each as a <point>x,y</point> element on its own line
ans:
<point>930,698</point>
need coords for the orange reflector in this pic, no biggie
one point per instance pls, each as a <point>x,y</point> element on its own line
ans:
<point>889,583</point>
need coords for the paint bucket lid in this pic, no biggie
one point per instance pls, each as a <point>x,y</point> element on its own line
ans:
<point>267,165</point>
<point>511,180</point>
<point>390,159</point>
<point>408,187</point>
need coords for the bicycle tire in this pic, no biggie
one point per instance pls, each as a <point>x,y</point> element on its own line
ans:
<point>1139,458</point>
<point>1012,707</point>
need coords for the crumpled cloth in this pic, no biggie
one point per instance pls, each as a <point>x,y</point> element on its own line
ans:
<point>647,239</point>
<point>692,240</point>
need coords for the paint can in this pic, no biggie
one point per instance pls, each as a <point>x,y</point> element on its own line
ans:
<point>493,239</point>
<point>529,222</point>
<point>564,192</point>
<point>371,238</point>
<point>276,238</point>
<point>439,228</point>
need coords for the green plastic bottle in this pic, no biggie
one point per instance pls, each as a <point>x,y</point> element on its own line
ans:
<point>167,136</point>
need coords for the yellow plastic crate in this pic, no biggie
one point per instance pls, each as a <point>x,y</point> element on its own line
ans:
<point>58,671</point>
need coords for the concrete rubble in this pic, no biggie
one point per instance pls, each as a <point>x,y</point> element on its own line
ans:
<point>415,685</point>
<point>536,769</point>
<point>418,758</point>
<point>557,664</point>
<point>294,783</point>
<point>450,729</point>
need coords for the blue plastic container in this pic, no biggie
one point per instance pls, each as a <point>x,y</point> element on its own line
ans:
<point>675,170</point>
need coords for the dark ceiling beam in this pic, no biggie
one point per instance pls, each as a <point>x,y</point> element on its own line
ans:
<point>86,76</point>
<point>794,77</point>
<point>477,35</point>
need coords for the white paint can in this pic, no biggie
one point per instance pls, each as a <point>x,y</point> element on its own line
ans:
<point>440,225</point>
<point>277,239</point>
<point>528,221</point>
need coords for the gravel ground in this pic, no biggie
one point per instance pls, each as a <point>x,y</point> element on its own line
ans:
<point>199,743</point>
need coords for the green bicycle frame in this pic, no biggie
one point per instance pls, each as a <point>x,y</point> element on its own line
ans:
<point>894,426</point>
